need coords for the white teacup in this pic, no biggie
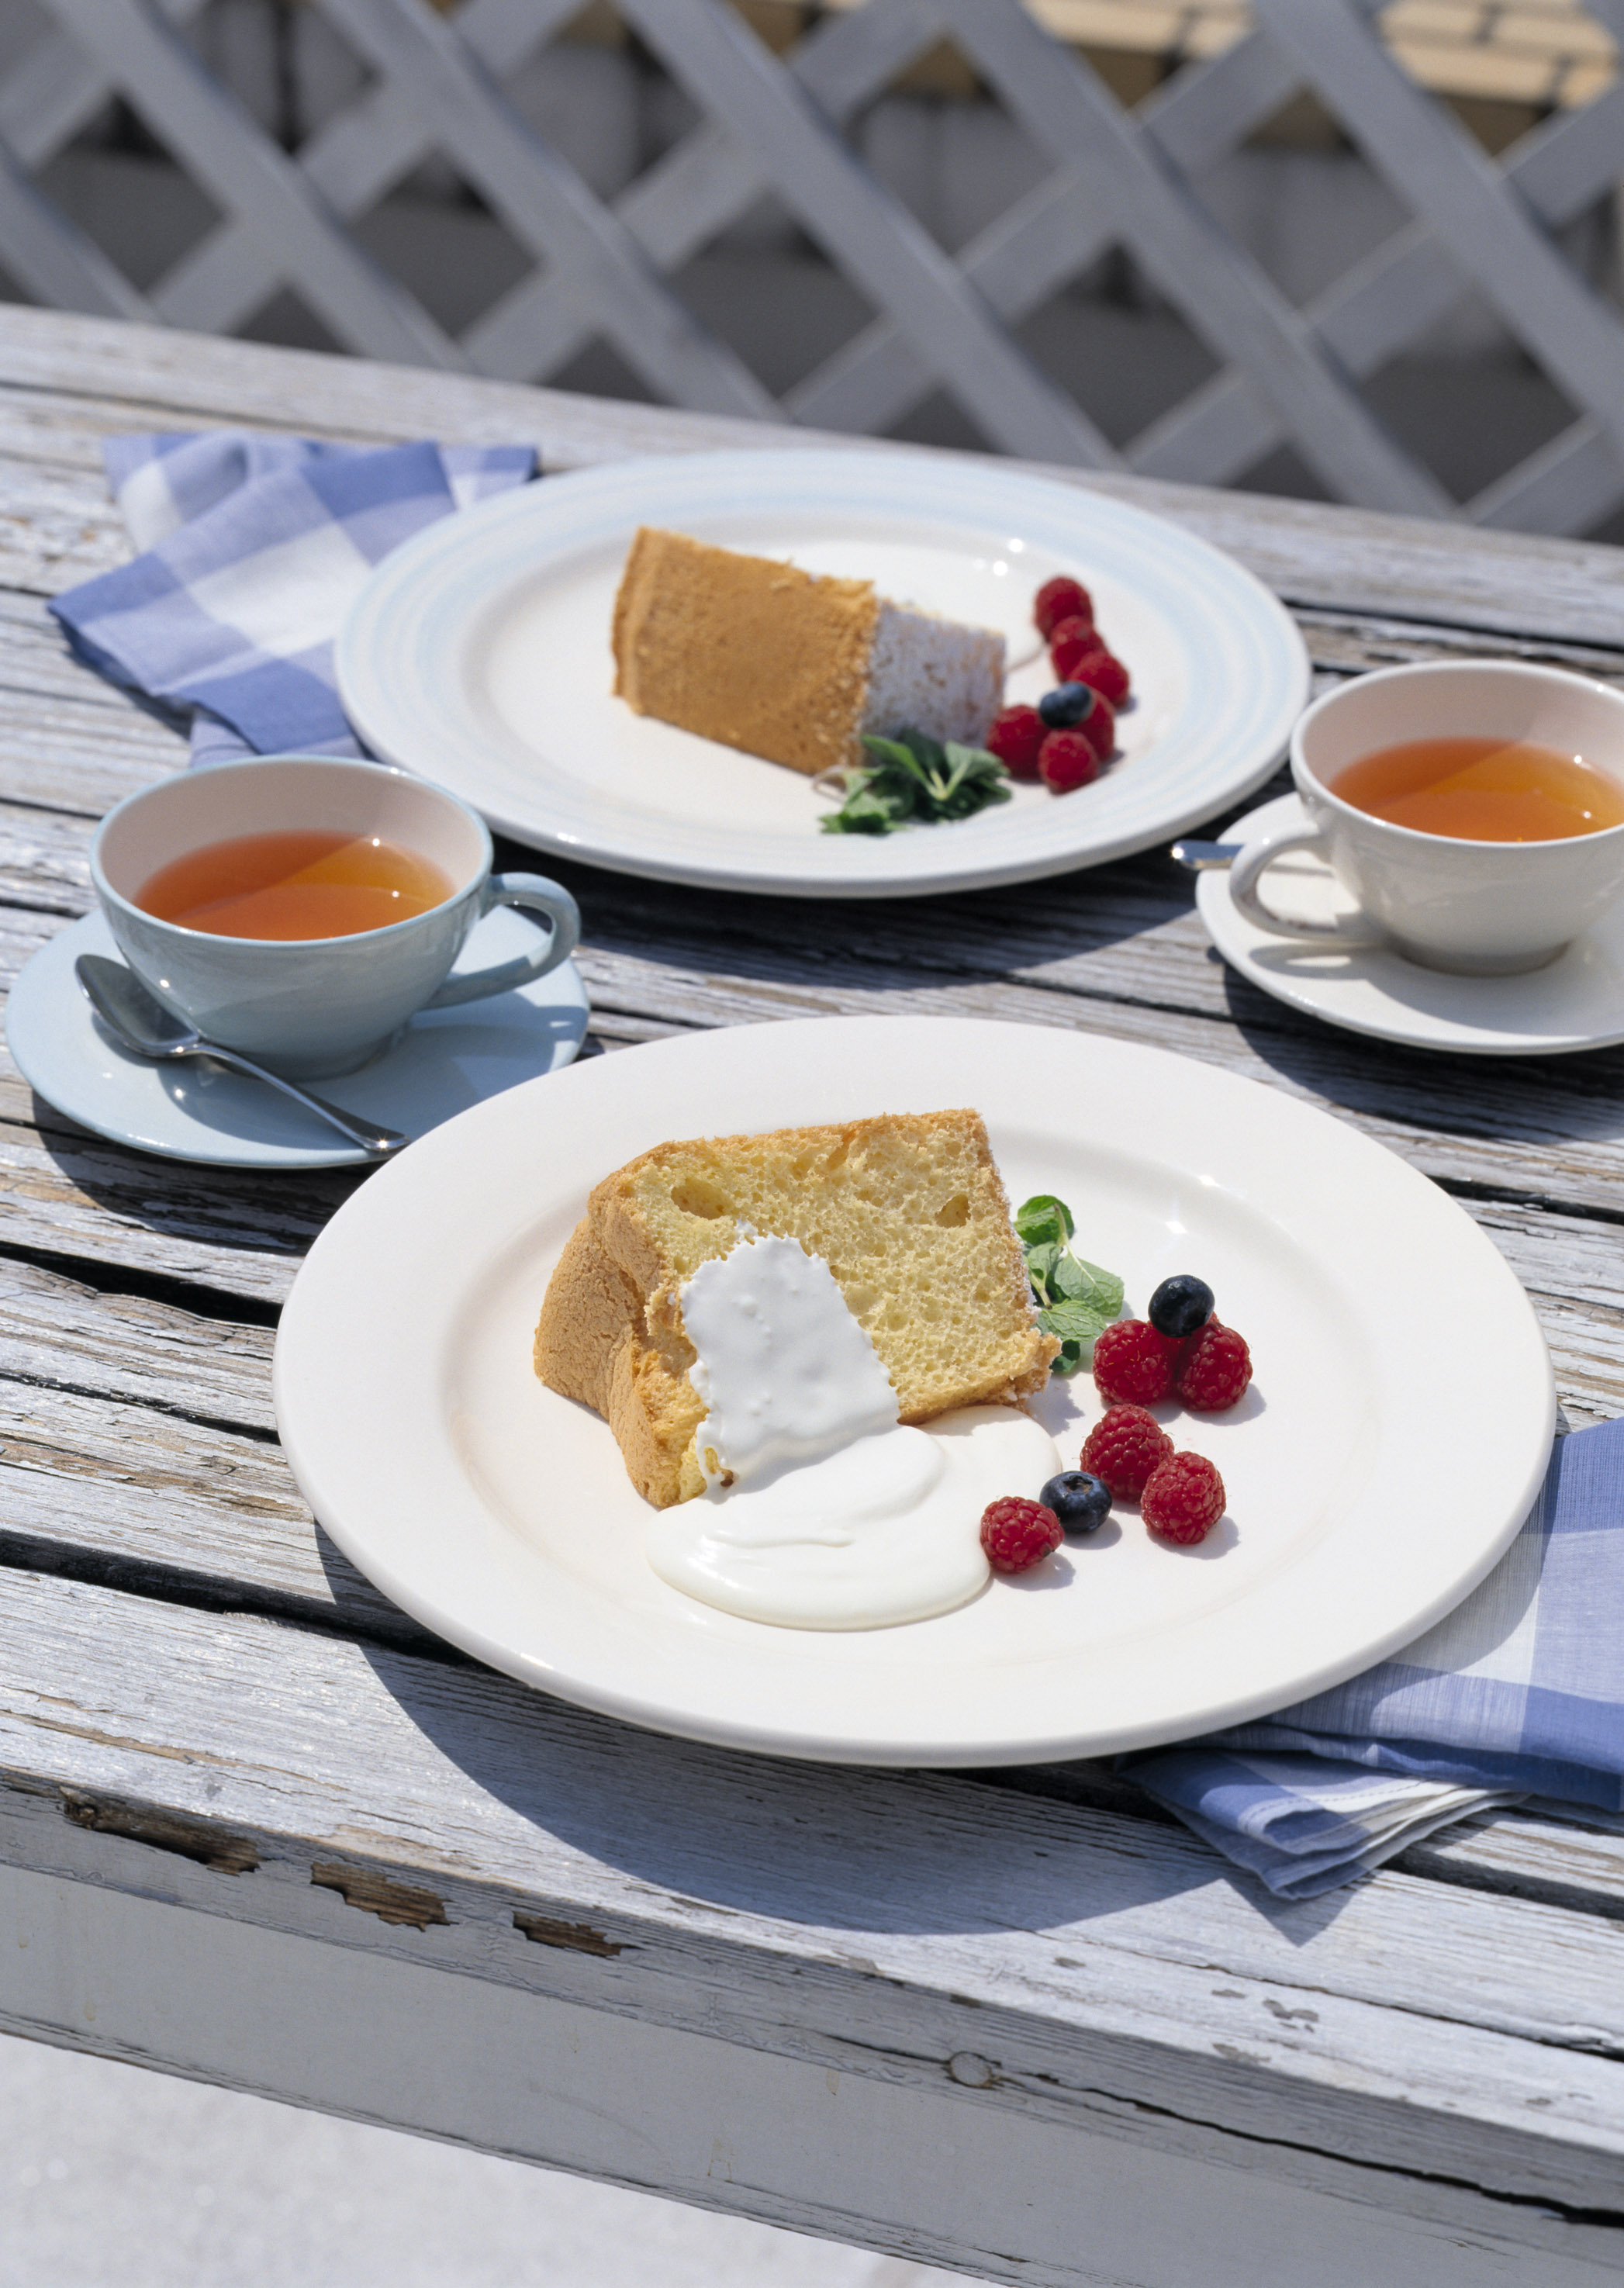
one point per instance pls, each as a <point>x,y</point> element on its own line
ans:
<point>309,1007</point>
<point>1484,909</point>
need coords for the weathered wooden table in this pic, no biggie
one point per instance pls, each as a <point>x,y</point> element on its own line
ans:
<point>256,1828</point>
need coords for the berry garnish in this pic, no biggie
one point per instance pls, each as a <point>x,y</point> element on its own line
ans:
<point>1104,673</point>
<point>1214,1369</point>
<point>1133,1364</point>
<point>1017,1533</point>
<point>1059,599</point>
<point>1180,1304</point>
<point>1079,1499</point>
<point>1123,1447</point>
<point>1016,738</point>
<point>1066,705</point>
<point>1072,642</point>
<point>1067,759</point>
<point>1183,1498</point>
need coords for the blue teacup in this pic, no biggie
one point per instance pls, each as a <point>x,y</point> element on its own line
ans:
<point>309,1007</point>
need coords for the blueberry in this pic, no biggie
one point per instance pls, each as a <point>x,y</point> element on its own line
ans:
<point>1180,1306</point>
<point>1080,1500</point>
<point>1066,705</point>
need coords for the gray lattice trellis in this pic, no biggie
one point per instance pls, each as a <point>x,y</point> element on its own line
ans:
<point>775,123</point>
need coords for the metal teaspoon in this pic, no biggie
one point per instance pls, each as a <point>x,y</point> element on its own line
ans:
<point>145,1025</point>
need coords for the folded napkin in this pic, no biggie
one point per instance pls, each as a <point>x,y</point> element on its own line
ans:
<point>252,548</point>
<point>1518,1692</point>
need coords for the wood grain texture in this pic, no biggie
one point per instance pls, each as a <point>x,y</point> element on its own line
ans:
<point>850,2156</point>
<point>758,1902</point>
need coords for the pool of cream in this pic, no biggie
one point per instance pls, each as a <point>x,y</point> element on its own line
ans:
<point>822,1511</point>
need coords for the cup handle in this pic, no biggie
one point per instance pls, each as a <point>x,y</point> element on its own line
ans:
<point>532,894</point>
<point>1247,872</point>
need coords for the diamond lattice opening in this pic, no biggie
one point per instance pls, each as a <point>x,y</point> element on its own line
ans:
<point>130,194</point>
<point>441,239</point>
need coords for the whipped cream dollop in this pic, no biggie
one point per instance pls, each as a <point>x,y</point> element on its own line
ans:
<point>822,1511</point>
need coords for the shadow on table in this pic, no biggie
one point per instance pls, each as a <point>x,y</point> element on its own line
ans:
<point>1543,1101</point>
<point>189,1208</point>
<point>880,945</point>
<point>836,1849</point>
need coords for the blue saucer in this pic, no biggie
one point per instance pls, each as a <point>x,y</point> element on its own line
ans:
<point>446,1060</point>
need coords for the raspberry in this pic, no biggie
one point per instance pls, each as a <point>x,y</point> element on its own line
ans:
<point>1183,1498</point>
<point>1071,642</point>
<point>1015,738</point>
<point>1103,672</point>
<point>1133,1364</point>
<point>1017,1533</point>
<point>1124,1448</point>
<point>1059,599</point>
<point>1067,759</point>
<point>1215,1369</point>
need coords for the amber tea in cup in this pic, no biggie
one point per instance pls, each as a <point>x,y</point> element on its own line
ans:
<point>1456,804</point>
<point>1482,790</point>
<point>294,885</point>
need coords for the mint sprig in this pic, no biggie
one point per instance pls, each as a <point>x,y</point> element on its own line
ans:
<point>1076,1300</point>
<point>914,780</point>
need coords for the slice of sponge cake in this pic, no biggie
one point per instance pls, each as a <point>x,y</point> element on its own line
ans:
<point>764,656</point>
<point>907,1211</point>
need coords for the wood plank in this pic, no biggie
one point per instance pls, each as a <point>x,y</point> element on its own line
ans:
<point>138,1447</point>
<point>1337,558</point>
<point>642,2103</point>
<point>71,1196</point>
<point>58,1334</point>
<point>1404,2027</point>
<point>1569,1858</point>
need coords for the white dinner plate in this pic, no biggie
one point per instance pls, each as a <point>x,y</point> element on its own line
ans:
<point>1395,1433</point>
<point>478,654</point>
<point>1575,1001</point>
<point>445,1060</point>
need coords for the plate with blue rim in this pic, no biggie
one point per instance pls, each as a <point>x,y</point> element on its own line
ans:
<point>479,655</point>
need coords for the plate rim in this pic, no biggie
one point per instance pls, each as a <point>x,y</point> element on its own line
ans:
<point>318,1291</point>
<point>369,699</point>
<point>1216,910</point>
<point>308,1160</point>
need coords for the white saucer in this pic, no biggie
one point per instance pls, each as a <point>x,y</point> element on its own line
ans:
<point>1576,1003</point>
<point>191,1110</point>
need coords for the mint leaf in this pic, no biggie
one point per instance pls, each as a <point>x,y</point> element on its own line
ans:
<point>1079,1319</point>
<point>913,779</point>
<point>1076,1300</point>
<point>1043,1218</point>
<point>1074,1281</point>
<point>1041,1262</point>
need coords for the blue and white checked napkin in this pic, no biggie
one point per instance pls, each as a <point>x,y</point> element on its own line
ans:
<point>1519,1692</point>
<point>252,548</point>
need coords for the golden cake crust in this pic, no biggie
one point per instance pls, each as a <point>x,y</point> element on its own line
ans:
<point>756,654</point>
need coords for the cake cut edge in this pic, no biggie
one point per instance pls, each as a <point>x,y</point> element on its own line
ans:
<point>788,665</point>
